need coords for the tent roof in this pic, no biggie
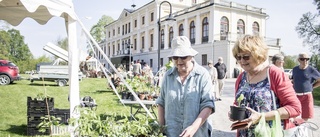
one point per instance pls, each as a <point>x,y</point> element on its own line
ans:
<point>40,10</point>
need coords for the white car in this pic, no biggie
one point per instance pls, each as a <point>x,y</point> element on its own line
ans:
<point>288,72</point>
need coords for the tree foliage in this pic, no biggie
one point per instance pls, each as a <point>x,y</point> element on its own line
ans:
<point>290,62</point>
<point>63,43</point>
<point>309,29</point>
<point>13,48</point>
<point>97,31</point>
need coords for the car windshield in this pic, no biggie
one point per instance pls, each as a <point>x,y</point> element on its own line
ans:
<point>11,64</point>
<point>287,70</point>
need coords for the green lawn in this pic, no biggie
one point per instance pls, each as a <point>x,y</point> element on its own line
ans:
<point>316,96</point>
<point>13,113</point>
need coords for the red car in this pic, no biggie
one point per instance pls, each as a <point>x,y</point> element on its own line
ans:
<point>9,72</point>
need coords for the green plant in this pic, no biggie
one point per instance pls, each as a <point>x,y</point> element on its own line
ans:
<point>90,124</point>
<point>47,122</point>
<point>239,99</point>
<point>42,96</point>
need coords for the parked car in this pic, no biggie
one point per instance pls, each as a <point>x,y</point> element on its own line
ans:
<point>9,72</point>
<point>288,72</point>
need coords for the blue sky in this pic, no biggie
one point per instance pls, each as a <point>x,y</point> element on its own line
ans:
<point>284,17</point>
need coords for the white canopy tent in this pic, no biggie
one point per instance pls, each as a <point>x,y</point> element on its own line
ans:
<point>14,11</point>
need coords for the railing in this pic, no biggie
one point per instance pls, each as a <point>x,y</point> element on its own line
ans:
<point>224,3</point>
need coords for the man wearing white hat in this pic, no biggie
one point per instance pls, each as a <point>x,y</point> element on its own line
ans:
<point>185,100</point>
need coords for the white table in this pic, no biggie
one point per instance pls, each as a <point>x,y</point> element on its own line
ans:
<point>148,104</point>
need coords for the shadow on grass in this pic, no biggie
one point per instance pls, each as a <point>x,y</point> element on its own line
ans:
<point>17,130</point>
<point>46,84</point>
<point>103,91</point>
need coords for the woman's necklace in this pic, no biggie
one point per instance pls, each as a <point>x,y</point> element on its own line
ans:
<point>254,75</point>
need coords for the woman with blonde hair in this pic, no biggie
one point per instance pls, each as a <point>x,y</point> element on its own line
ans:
<point>251,53</point>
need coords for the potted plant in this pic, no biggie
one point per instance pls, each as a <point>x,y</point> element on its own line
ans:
<point>238,112</point>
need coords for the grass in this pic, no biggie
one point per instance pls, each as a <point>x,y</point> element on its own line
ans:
<point>316,96</point>
<point>13,114</point>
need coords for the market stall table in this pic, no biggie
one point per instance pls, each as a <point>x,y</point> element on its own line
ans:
<point>149,104</point>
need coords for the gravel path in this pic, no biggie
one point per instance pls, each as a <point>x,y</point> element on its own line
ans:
<point>220,120</point>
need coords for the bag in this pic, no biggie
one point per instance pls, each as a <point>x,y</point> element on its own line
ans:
<point>303,130</point>
<point>262,129</point>
<point>88,101</point>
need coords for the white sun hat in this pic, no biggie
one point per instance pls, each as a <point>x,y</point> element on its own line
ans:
<point>181,47</point>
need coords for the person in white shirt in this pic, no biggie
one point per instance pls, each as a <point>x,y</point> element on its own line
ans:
<point>214,76</point>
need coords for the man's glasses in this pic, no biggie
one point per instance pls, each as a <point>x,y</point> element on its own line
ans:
<point>182,58</point>
<point>304,59</point>
<point>245,57</point>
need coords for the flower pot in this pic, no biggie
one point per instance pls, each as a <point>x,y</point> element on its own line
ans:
<point>142,96</point>
<point>237,113</point>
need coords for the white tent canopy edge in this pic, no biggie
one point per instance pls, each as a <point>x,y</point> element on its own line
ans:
<point>14,11</point>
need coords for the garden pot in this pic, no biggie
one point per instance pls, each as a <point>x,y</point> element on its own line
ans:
<point>237,113</point>
<point>124,95</point>
<point>142,96</point>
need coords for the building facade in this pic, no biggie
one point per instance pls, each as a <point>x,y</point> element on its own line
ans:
<point>212,26</point>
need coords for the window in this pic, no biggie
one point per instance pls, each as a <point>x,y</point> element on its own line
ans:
<point>126,30</point>
<point>142,42</point>
<point>161,62</point>
<point>118,46</point>
<point>113,49</point>
<point>151,16</point>
<point>194,1</point>
<point>170,36</point>
<point>122,29</point>
<point>113,32</point>
<point>224,28</point>
<point>162,39</point>
<point>205,30</point>
<point>255,28</point>
<point>151,40</point>
<point>143,20</point>
<point>109,52</point>
<point>109,34</point>
<point>135,44</point>
<point>240,27</point>
<point>192,32</point>
<point>204,59</point>
<point>135,23</point>
<point>118,30</point>
<point>151,63</point>
<point>129,27</point>
<point>181,30</point>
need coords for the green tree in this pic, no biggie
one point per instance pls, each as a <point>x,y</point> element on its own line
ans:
<point>98,32</point>
<point>315,61</point>
<point>309,29</point>
<point>18,50</point>
<point>4,42</point>
<point>63,43</point>
<point>290,62</point>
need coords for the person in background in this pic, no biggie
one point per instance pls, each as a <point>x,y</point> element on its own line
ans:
<point>137,70</point>
<point>214,76</point>
<point>185,100</point>
<point>251,52</point>
<point>222,71</point>
<point>278,61</point>
<point>305,79</point>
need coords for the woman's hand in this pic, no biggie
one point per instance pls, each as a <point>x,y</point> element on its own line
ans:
<point>253,119</point>
<point>188,132</point>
